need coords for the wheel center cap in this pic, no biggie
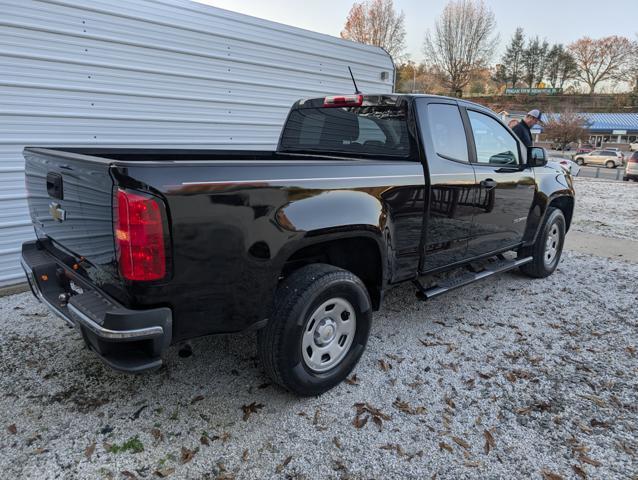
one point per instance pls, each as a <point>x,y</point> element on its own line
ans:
<point>325,332</point>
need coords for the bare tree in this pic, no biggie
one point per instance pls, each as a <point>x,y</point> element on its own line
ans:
<point>633,69</point>
<point>376,22</point>
<point>602,59</point>
<point>462,43</point>
<point>564,128</point>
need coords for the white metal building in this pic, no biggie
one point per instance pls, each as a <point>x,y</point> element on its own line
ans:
<point>153,73</point>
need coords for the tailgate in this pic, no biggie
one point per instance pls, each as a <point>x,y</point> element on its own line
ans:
<point>71,203</point>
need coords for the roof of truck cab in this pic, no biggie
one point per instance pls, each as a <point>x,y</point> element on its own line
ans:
<point>460,101</point>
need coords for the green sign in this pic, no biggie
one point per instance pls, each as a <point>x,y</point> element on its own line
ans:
<point>533,91</point>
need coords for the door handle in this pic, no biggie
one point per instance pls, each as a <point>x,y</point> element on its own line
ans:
<point>488,184</point>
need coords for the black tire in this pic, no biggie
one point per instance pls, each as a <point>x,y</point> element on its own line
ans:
<point>279,343</point>
<point>610,164</point>
<point>580,162</point>
<point>539,267</point>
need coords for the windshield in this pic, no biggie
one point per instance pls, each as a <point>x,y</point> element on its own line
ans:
<point>366,130</point>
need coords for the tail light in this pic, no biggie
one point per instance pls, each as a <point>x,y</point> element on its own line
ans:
<point>343,101</point>
<point>633,159</point>
<point>139,236</point>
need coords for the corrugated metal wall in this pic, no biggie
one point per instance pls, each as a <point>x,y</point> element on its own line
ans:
<point>160,73</point>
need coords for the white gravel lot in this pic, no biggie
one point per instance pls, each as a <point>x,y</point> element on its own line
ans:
<point>607,208</point>
<point>506,378</point>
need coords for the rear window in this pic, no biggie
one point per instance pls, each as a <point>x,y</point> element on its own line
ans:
<point>366,130</point>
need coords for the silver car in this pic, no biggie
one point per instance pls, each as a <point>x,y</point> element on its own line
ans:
<point>631,171</point>
<point>608,158</point>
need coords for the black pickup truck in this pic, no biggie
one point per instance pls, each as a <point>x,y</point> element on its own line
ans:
<point>141,249</point>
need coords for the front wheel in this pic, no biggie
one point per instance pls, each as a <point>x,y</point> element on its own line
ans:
<point>580,162</point>
<point>547,249</point>
<point>318,329</point>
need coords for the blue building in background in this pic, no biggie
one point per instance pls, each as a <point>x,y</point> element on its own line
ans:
<point>605,129</point>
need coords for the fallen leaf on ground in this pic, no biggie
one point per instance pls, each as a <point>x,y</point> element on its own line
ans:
<point>198,398</point>
<point>250,409</point>
<point>383,365</point>
<point>548,475</point>
<point>445,446</point>
<point>88,451</point>
<point>244,456</point>
<point>360,422</point>
<point>461,442</point>
<point>128,474</point>
<point>396,358</point>
<point>315,418</point>
<point>164,472</point>
<point>579,471</point>
<point>12,429</point>
<point>353,380</point>
<point>590,461</point>
<point>395,447</point>
<point>365,408</point>
<point>157,434</point>
<point>406,408</point>
<point>187,455</point>
<point>337,443</point>
<point>489,441</point>
<point>282,465</point>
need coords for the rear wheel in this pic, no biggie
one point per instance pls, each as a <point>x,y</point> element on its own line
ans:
<point>547,249</point>
<point>610,164</point>
<point>318,329</point>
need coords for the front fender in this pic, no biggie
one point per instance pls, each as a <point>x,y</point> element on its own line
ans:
<point>553,186</point>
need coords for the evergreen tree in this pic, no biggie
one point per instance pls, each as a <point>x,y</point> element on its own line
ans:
<point>512,59</point>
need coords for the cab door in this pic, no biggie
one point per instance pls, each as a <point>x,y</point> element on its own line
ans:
<point>452,191</point>
<point>505,184</point>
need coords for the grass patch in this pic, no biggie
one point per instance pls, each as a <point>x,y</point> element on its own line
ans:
<point>133,445</point>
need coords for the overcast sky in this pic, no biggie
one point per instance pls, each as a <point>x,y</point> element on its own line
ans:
<point>560,21</point>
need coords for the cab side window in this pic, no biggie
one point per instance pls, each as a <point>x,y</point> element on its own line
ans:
<point>494,144</point>
<point>447,132</point>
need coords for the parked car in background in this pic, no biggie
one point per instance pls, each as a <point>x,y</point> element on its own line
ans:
<point>631,170</point>
<point>585,148</point>
<point>608,158</point>
<point>633,146</point>
<point>569,166</point>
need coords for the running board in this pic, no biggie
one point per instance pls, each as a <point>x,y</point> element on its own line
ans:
<point>470,277</point>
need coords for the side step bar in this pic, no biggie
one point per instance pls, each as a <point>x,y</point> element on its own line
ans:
<point>446,285</point>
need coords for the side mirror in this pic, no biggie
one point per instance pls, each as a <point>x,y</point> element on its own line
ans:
<point>536,157</point>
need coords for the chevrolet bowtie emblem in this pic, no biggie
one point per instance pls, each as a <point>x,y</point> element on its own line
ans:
<point>57,212</point>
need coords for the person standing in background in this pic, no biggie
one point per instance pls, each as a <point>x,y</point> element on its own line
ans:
<point>524,127</point>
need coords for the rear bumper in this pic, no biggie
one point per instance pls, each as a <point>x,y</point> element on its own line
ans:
<point>127,340</point>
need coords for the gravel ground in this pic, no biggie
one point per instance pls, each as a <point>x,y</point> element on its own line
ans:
<point>607,208</point>
<point>506,378</point>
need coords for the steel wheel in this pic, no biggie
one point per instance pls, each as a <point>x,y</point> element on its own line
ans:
<point>551,244</point>
<point>328,334</point>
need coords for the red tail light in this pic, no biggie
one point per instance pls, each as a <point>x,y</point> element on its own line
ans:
<point>139,236</point>
<point>633,159</point>
<point>343,101</point>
